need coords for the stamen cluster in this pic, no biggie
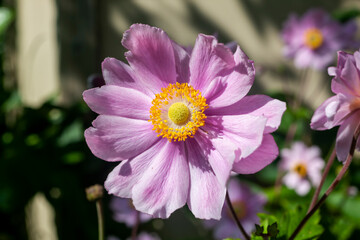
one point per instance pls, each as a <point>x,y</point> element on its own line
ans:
<point>174,93</point>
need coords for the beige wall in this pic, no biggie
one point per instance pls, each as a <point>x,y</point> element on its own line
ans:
<point>38,71</point>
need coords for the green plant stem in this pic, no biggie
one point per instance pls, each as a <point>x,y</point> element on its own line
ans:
<point>99,210</point>
<point>323,177</point>
<point>247,237</point>
<point>332,186</point>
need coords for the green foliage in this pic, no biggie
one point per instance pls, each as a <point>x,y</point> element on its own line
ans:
<point>344,15</point>
<point>291,219</point>
<point>6,17</point>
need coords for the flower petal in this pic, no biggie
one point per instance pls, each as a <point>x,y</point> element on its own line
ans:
<point>151,55</point>
<point>245,131</point>
<point>330,113</point>
<point>116,138</point>
<point>345,135</point>
<point>346,80</point>
<point>256,105</point>
<point>350,75</point>
<point>182,59</point>
<point>263,156</point>
<point>208,61</point>
<point>123,178</point>
<point>118,101</point>
<point>220,152</point>
<point>303,187</point>
<point>228,89</point>
<point>291,180</point>
<point>164,185</point>
<point>118,73</point>
<point>207,194</point>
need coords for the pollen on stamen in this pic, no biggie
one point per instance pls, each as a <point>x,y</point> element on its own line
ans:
<point>177,112</point>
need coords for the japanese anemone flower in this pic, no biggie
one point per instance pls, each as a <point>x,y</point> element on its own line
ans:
<point>312,40</point>
<point>343,108</point>
<point>247,205</point>
<point>303,165</point>
<point>179,122</point>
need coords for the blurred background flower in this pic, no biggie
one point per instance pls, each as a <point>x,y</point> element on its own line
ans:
<point>313,39</point>
<point>303,167</point>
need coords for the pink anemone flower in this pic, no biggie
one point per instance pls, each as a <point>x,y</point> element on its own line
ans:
<point>343,108</point>
<point>303,166</point>
<point>179,122</point>
<point>313,39</point>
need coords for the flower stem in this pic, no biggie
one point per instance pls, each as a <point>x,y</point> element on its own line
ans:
<point>94,194</point>
<point>323,177</point>
<point>136,226</point>
<point>247,237</point>
<point>332,186</point>
<point>99,210</point>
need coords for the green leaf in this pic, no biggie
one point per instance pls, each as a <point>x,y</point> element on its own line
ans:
<point>266,220</point>
<point>343,229</point>
<point>291,219</point>
<point>73,133</point>
<point>6,17</point>
<point>273,230</point>
<point>73,157</point>
<point>259,230</point>
<point>346,15</point>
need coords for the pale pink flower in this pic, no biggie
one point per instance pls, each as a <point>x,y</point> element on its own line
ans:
<point>124,212</point>
<point>313,39</point>
<point>179,122</point>
<point>303,166</point>
<point>343,108</point>
<point>247,205</point>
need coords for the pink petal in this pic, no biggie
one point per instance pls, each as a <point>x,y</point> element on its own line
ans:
<point>207,194</point>
<point>303,58</point>
<point>291,180</point>
<point>123,178</point>
<point>232,87</point>
<point>263,156</point>
<point>182,59</point>
<point>112,138</point>
<point>350,76</point>
<point>118,101</point>
<point>330,113</point>
<point>118,73</point>
<point>357,59</point>
<point>208,61</point>
<point>345,80</point>
<point>303,187</point>
<point>244,130</point>
<point>256,105</point>
<point>220,152</point>
<point>164,185</point>
<point>151,55</point>
<point>345,135</point>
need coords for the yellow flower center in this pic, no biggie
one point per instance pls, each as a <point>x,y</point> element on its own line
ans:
<point>178,112</point>
<point>313,38</point>
<point>300,169</point>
